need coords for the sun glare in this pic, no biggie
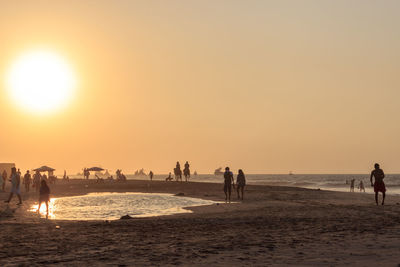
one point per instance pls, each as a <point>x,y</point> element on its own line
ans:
<point>41,82</point>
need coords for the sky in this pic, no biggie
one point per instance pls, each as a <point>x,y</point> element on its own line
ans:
<point>266,86</point>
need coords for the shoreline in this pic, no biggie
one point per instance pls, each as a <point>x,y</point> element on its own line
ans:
<point>274,225</point>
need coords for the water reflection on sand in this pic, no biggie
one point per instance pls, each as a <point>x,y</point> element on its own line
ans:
<point>111,206</point>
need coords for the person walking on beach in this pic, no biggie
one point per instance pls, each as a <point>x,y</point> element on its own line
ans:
<point>240,183</point>
<point>361,186</point>
<point>44,196</point>
<point>15,183</point>
<point>151,174</point>
<point>228,182</point>
<point>352,185</point>
<point>4,177</point>
<point>379,185</point>
<point>27,181</point>
<point>36,181</point>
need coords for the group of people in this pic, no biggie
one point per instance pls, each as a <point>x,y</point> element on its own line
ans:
<point>39,182</point>
<point>377,184</point>
<point>352,182</point>
<point>178,172</point>
<point>229,183</point>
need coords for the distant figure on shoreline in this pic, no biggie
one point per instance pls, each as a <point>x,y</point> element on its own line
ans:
<point>361,186</point>
<point>27,181</point>
<point>240,183</point>
<point>4,176</point>
<point>151,174</point>
<point>169,178</point>
<point>36,180</point>
<point>120,176</point>
<point>379,185</point>
<point>44,196</point>
<point>228,182</point>
<point>178,172</point>
<point>186,171</point>
<point>86,173</point>
<point>15,186</point>
<point>352,181</point>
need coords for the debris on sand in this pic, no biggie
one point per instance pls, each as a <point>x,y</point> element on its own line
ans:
<point>126,217</point>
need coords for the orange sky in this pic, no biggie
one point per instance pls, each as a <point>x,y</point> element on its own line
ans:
<point>267,86</point>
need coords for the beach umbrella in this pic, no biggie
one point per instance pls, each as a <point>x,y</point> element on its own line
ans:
<point>95,169</point>
<point>44,169</point>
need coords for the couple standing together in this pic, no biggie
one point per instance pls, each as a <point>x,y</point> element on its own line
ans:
<point>229,182</point>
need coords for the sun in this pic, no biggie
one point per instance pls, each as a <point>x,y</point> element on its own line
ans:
<point>41,82</point>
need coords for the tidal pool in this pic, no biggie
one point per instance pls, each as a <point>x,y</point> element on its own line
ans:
<point>111,206</point>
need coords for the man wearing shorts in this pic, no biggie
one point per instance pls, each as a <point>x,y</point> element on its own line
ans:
<point>379,185</point>
<point>228,182</point>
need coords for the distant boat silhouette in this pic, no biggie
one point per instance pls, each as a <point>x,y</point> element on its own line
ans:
<point>218,171</point>
<point>140,173</point>
<point>290,173</point>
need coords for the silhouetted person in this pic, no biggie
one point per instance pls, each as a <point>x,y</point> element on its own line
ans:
<point>228,181</point>
<point>27,181</point>
<point>240,183</point>
<point>151,174</point>
<point>169,178</point>
<point>361,186</point>
<point>44,195</point>
<point>15,184</point>
<point>178,172</point>
<point>352,185</point>
<point>4,176</point>
<point>379,185</point>
<point>36,180</point>
<point>186,171</point>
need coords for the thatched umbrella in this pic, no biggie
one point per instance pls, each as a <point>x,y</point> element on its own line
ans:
<point>95,169</point>
<point>44,169</point>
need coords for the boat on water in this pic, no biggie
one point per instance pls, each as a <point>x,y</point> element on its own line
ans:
<point>218,171</point>
<point>290,173</point>
<point>140,173</point>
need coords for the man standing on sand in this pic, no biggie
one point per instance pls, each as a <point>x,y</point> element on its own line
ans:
<point>379,185</point>
<point>27,181</point>
<point>15,183</point>
<point>228,182</point>
<point>151,175</point>
<point>4,176</point>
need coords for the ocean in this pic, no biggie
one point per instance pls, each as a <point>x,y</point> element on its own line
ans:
<point>334,182</point>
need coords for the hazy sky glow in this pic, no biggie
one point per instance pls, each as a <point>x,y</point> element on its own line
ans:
<point>267,86</point>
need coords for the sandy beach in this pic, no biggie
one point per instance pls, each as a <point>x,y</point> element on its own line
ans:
<point>272,226</point>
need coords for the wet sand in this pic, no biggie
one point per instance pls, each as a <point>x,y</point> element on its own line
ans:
<point>272,226</point>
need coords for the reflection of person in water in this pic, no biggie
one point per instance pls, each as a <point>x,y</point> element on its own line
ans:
<point>379,185</point>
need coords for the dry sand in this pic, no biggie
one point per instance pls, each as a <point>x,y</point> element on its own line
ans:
<point>273,226</point>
